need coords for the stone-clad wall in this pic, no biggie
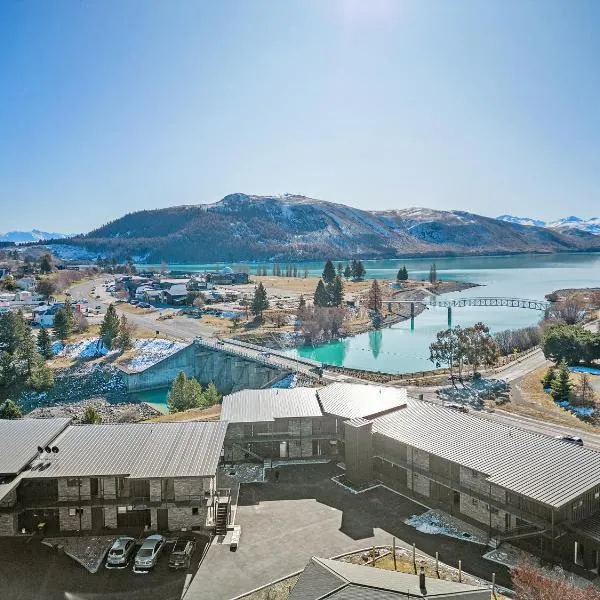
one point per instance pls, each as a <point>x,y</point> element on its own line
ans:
<point>478,510</point>
<point>76,492</point>
<point>75,522</point>
<point>420,458</point>
<point>8,524</point>
<point>155,490</point>
<point>184,488</point>
<point>110,517</point>
<point>109,487</point>
<point>183,518</point>
<point>10,499</point>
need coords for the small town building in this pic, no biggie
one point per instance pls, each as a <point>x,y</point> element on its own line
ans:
<point>26,283</point>
<point>338,580</point>
<point>176,294</point>
<point>101,477</point>
<point>44,315</point>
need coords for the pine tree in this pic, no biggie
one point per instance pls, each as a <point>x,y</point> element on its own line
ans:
<point>432,273</point>
<point>358,270</point>
<point>321,297</point>
<point>193,396</point>
<point>10,410</point>
<point>124,339</point>
<point>301,304</point>
<point>337,291</point>
<point>176,398</point>
<point>211,395</point>
<point>91,416</point>
<point>347,272</point>
<point>328,272</point>
<point>62,324</point>
<point>260,302</point>
<point>340,269</point>
<point>402,274</point>
<point>46,264</point>
<point>44,343</point>
<point>109,329</point>
<point>561,386</point>
<point>548,377</point>
<point>374,300</point>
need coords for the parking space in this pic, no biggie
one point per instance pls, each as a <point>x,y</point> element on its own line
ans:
<point>32,571</point>
<point>305,514</point>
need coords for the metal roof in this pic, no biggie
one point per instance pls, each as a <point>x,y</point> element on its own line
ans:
<point>137,450</point>
<point>252,406</point>
<point>350,400</point>
<point>545,469</point>
<point>339,580</point>
<point>20,438</point>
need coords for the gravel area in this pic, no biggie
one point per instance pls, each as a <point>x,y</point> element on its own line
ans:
<point>87,551</point>
<point>110,413</point>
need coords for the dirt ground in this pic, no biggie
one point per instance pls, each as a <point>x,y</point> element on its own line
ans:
<point>528,398</point>
<point>211,413</point>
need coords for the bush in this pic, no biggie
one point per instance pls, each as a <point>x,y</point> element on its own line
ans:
<point>520,340</point>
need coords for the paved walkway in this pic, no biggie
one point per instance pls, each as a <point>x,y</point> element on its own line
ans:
<point>305,514</point>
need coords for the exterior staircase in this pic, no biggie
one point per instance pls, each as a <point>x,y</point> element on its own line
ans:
<point>222,517</point>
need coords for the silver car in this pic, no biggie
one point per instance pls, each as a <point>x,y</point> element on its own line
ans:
<point>120,553</point>
<point>147,556</point>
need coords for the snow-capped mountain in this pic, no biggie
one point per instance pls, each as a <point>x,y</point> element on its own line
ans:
<point>567,223</point>
<point>522,221</point>
<point>35,235</point>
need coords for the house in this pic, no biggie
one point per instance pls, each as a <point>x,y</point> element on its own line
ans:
<point>227,276</point>
<point>339,580</point>
<point>44,315</point>
<point>26,283</point>
<point>153,296</point>
<point>176,294</point>
<point>102,477</point>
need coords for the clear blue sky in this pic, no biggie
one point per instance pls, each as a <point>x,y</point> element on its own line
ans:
<point>112,106</point>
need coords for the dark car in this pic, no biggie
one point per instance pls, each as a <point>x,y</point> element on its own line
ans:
<point>181,554</point>
<point>571,439</point>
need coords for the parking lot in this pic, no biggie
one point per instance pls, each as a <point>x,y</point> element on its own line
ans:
<point>32,571</point>
<point>305,514</point>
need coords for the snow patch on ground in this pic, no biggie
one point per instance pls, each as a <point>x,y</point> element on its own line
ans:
<point>150,351</point>
<point>580,411</point>
<point>436,522</point>
<point>84,349</point>
<point>287,382</point>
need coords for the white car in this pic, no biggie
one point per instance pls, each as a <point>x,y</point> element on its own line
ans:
<point>120,553</point>
<point>147,556</point>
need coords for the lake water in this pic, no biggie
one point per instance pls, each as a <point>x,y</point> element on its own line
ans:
<point>399,350</point>
<point>156,398</point>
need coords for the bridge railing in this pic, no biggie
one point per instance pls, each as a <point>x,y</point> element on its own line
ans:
<point>301,360</point>
<point>491,301</point>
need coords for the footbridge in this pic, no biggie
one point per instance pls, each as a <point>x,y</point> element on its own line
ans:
<point>485,301</point>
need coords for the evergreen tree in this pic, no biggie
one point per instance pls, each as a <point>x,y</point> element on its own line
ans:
<point>548,377</point>
<point>374,301</point>
<point>44,343</point>
<point>358,270</point>
<point>347,272</point>
<point>62,324</point>
<point>402,274</point>
<point>328,273</point>
<point>10,410</point>
<point>321,297</point>
<point>109,329</point>
<point>13,330</point>
<point>124,339</point>
<point>193,394</point>
<point>340,269</point>
<point>41,376</point>
<point>91,416</point>
<point>46,264</point>
<point>432,273</point>
<point>211,395</point>
<point>260,302</point>
<point>561,386</point>
<point>176,398</point>
<point>337,291</point>
<point>301,305</point>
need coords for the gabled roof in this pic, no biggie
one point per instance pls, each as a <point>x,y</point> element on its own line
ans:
<point>351,400</point>
<point>545,469</point>
<point>137,450</point>
<point>20,438</point>
<point>338,580</point>
<point>253,406</point>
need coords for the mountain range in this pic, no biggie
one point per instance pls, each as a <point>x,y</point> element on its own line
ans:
<point>35,235</point>
<point>293,227</point>
<point>567,223</point>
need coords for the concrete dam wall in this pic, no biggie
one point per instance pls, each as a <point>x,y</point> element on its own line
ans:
<point>230,371</point>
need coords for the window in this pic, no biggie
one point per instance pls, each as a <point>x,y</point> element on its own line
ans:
<point>474,473</point>
<point>577,505</point>
<point>596,495</point>
<point>195,510</point>
<point>474,501</point>
<point>121,510</point>
<point>72,482</point>
<point>72,512</point>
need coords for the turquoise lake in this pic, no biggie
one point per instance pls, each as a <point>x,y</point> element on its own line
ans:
<point>397,349</point>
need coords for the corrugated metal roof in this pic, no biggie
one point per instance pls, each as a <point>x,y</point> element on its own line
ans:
<point>138,450</point>
<point>350,400</point>
<point>360,582</point>
<point>19,439</point>
<point>253,406</point>
<point>538,467</point>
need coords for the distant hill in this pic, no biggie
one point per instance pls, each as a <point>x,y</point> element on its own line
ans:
<point>290,227</point>
<point>566,225</point>
<point>35,235</point>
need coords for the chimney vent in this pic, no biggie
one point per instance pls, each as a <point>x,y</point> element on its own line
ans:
<point>422,585</point>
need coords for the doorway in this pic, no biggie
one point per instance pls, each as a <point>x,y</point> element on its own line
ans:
<point>162,519</point>
<point>97,518</point>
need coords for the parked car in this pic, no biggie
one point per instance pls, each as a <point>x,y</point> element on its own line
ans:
<point>144,305</point>
<point>181,554</point>
<point>456,406</point>
<point>571,439</point>
<point>120,553</point>
<point>147,556</point>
